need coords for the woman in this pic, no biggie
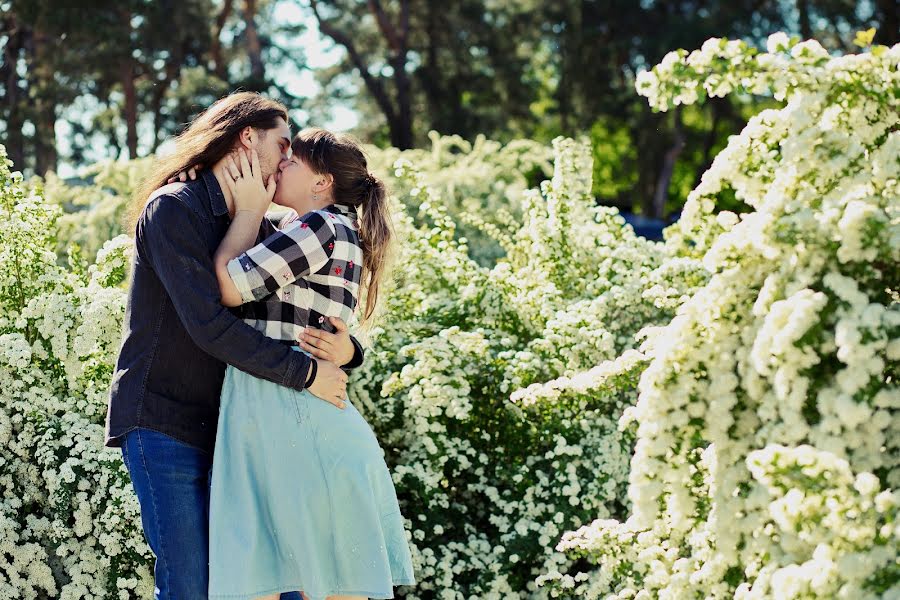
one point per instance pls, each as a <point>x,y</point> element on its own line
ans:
<point>301,498</point>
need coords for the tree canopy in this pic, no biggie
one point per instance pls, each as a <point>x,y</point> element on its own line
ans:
<point>113,79</point>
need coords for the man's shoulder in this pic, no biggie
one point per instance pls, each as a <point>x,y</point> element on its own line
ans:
<point>185,192</point>
<point>173,211</point>
<point>177,196</point>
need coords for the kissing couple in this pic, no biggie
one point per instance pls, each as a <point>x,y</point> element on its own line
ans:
<point>256,477</point>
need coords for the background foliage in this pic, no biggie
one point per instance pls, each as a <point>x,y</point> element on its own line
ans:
<point>84,81</point>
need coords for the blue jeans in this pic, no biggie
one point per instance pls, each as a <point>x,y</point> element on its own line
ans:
<point>171,480</point>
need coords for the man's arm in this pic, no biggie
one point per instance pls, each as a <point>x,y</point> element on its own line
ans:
<point>170,236</point>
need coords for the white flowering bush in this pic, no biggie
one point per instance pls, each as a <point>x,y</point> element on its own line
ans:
<point>766,449</point>
<point>94,207</point>
<point>484,385</point>
<point>481,184</point>
<point>69,520</point>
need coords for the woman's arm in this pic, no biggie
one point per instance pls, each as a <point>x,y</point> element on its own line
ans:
<point>251,199</point>
<point>240,237</point>
<point>301,248</point>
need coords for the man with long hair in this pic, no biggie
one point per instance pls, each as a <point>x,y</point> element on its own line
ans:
<point>178,338</point>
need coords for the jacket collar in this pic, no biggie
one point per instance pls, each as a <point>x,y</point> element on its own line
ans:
<point>216,196</point>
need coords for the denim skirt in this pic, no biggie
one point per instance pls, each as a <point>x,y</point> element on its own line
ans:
<point>301,499</point>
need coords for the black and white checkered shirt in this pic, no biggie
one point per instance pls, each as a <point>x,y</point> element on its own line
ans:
<point>308,269</point>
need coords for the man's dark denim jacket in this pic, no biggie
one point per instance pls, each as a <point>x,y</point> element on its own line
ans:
<point>177,335</point>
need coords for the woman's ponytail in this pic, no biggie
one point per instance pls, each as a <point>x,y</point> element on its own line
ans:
<point>376,234</point>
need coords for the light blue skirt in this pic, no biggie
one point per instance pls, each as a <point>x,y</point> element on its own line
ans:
<point>301,499</point>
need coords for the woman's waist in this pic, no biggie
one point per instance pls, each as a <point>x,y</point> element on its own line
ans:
<point>293,345</point>
<point>288,332</point>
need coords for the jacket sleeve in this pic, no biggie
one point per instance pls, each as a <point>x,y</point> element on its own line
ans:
<point>171,237</point>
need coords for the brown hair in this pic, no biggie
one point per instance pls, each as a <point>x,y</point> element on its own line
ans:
<point>208,138</point>
<point>342,157</point>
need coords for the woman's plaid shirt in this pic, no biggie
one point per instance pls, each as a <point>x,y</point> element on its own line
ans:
<point>307,270</point>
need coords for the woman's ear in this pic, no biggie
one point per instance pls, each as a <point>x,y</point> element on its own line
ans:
<point>324,181</point>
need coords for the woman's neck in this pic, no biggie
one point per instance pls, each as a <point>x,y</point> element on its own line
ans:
<point>303,208</point>
<point>323,202</point>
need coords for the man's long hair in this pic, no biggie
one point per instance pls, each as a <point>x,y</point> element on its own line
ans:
<point>209,138</point>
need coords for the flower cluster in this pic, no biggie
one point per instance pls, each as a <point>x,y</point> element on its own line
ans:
<point>838,531</point>
<point>480,183</point>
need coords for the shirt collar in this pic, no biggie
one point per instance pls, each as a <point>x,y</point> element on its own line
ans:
<point>342,209</point>
<point>216,196</point>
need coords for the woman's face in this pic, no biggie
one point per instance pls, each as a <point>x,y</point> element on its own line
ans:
<point>297,183</point>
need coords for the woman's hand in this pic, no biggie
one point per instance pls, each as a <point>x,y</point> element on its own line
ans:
<point>330,383</point>
<point>244,181</point>
<point>185,175</point>
<point>334,347</point>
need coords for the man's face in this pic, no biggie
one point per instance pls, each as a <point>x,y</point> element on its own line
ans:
<point>273,146</point>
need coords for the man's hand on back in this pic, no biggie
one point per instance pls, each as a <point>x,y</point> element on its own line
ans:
<point>330,383</point>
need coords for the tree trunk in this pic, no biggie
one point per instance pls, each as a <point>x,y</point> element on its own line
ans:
<point>805,27</point>
<point>402,138</point>
<point>41,74</point>
<point>661,193</point>
<point>159,93</point>
<point>158,96</point>
<point>215,51</point>
<point>254,49</point>
<point>429,75</point>
<point>46,157</point>
<point>570,39</point>
<point>130,109</point>
<point>399,116</point>
<point>889,23</point>
<point>396,37</point>
<point>15,141</point>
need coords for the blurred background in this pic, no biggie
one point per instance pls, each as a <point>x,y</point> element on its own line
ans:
<point>86,82</point>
